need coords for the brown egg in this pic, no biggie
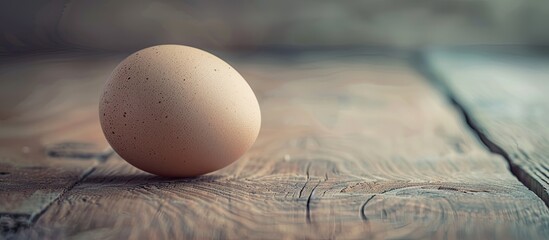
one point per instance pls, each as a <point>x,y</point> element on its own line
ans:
<point>178,111</point>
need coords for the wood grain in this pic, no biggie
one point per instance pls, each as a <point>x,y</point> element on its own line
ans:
<point>49,135</point>
<point>352,146</point>
<point>505,94</point>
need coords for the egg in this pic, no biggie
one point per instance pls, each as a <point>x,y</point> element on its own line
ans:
<point>178,111</point>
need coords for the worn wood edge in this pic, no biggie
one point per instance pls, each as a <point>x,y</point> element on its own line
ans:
<point>11,223</point>
<point>422,60</point>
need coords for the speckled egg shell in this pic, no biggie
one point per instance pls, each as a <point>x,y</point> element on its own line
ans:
<point>178,111</point>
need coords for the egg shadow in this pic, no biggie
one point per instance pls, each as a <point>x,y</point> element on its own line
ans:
<point>145,179</point>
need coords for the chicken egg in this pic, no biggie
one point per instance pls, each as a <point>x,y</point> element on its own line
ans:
<point>178,111</point>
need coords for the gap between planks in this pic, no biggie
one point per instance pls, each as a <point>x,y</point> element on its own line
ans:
<point>420,62</point>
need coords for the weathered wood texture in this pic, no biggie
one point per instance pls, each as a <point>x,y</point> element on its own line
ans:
<point>506,96</point>
<point>49,133</point>
<point>350,147</point>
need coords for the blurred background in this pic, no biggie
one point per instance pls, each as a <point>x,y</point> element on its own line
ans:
<point>124,25</point>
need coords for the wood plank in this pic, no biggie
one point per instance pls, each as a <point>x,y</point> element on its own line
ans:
<point>505,96</point>
<point>351,147</point>
<point>49,135</point>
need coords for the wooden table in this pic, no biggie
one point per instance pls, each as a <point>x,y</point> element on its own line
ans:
<point>354,145</point>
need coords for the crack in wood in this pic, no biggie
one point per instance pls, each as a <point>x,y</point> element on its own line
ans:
<point>308,209</point>
<point>307,171</point>
<point>306,180</point>
<point>363,208</point>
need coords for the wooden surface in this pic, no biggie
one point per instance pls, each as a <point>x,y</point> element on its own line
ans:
<point>506,95</point>
<point>351,146</point>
